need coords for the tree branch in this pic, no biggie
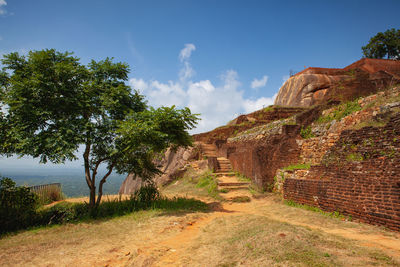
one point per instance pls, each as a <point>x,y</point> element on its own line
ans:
<point>87,166</point>
<point>102,181</point>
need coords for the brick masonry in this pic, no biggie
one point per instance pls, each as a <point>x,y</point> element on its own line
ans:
<point>358,176</point>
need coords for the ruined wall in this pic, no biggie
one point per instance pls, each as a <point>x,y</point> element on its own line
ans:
<point>259,158</point>
<point>246,122</point>
<point>359,176</point>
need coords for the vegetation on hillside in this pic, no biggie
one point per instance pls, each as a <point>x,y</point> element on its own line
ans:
<point>20,208</point>
<point>54,105</point>
<point>386,44</point>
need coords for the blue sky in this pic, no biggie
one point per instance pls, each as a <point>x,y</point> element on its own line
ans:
<point>220,58</point>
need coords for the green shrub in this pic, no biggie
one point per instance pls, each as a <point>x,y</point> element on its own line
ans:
<point>241,199</point>
<point>147,193</point>
<point>209,182</point>
<point>341,111</point>
<point>334,214</point>
<point>306,132</point>
<point>354,157</point>
<point>22,214</point>
<point>48,195</point>
<point>17,206</point>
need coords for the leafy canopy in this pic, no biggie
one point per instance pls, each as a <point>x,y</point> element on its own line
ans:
<point>53,105</point>
<point>384,44</point>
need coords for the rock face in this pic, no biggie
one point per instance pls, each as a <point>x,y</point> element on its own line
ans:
<point>319,85</point>
<point>172,165</point>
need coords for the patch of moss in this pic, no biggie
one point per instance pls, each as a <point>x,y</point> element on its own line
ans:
<point>306,132</point>
<point>354,157</point>
<point>302,166</point>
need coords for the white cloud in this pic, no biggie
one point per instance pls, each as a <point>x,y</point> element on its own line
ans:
<point>2,10</point>
<point>253,105</point>
<point>217,104</point>
<point>186,52</point>
<point>259,83</point>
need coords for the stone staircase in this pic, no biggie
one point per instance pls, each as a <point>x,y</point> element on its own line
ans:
<point>234,190</point>
<point>223,164</point>
<point>227,180</point>
<point>208,150</point>
<point>224,167</point>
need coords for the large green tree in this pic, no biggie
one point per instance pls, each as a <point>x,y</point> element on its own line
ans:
<point>53,105</point>
<point>386,44</point>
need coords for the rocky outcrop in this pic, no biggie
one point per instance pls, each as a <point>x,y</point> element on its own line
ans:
<point>172,164</point>
<point>245,122</point>
<point>319,85</point>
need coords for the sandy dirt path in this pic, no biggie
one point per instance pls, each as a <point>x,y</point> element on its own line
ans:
<point>174,246</point>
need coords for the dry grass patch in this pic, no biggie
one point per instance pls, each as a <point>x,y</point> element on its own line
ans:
<point>114,242</point>
<point>188,186</point>
<point>258,241</point>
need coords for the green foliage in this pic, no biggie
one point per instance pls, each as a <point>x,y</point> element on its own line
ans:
<point>300,166</point>
<point>55,104</point>
<point>384,44</point>
<point>242,177</point>
<point>17,206</point>
<point>341,111</point>
<point>334,214</point>
<point>66,212</point>
<point>147,193</point>
<point>269,108</point>
<point>48,195</point>
<point>209,182</point>
<point>241,199</point>
<point>306,132</point>
<point>354,157</point>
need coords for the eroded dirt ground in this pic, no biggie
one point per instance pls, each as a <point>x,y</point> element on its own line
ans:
<point>261,232</point>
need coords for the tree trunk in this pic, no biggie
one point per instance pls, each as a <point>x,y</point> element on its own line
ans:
<point>89,180</point>
<point>102,181</point>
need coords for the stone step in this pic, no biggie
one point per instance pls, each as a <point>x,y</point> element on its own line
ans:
<point>223,170</point>
<point>225,173</point>
<point>233,183</point>
<point>234,188</point>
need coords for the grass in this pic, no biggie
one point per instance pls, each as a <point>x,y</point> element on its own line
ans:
<point>92,243</point>
<point>306,133</point>
<point>354,157</point>
<point>341,111</point>
<point>369,123</point>
<point>254,240</point>
<point>241,199</point>
<point>300,166</point>
<point>67,212</point>
<point>334,214</point>
<point>242,177</point>
<point>208,181</point>
<point>195,183</point>
<point>267,233</point>
<point>49,195</point>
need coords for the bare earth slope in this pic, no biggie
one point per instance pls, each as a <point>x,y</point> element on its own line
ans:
<point>262,232</point>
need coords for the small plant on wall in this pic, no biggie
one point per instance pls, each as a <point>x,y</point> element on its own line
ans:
<point>306,132</point>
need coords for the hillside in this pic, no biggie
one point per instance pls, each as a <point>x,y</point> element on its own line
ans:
<point>261,230</point>
<point>342,155</point>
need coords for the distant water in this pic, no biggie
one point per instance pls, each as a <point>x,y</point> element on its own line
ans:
<point>73,183</point>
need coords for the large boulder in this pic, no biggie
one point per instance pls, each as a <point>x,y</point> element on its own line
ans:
<point>320,85</point>
<point>172,164</point>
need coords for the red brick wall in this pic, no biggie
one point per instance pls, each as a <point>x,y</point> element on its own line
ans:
<point>259,159</point>
<point>367,188</point>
